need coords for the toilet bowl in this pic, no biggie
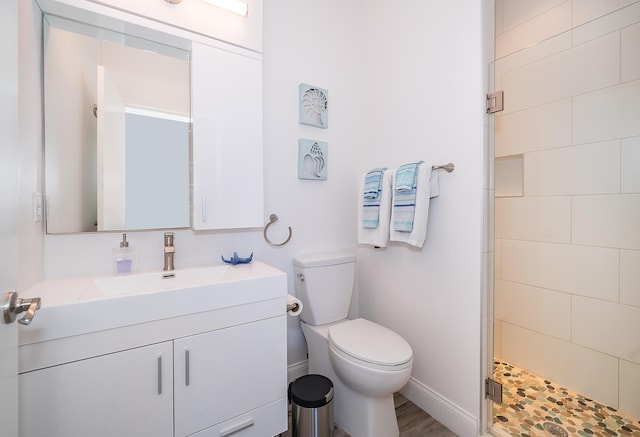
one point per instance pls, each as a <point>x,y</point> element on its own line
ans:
<point>374,362</point>
<point>363,387</point>
<point>369,358</point>
<point>366,362</point>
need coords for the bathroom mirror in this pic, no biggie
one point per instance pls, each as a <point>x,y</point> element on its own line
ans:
<point>117,130</point>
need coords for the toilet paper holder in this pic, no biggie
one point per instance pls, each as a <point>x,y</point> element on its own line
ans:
<point>294,305</point>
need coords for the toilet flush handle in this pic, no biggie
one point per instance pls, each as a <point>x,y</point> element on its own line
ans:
<point>300,277</point>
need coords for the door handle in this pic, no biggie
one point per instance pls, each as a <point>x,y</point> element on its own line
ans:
<point>12,305</point>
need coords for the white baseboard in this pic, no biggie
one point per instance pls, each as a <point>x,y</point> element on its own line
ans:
<point>296,370</point>
<point>444,411</point>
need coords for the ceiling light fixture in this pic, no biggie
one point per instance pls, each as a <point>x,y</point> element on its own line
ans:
<point>235,6</point>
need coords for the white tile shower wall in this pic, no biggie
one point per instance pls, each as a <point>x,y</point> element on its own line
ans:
<point>630,163</point>
<point>572,170</point>
<point>532,54</point>
<point>607,114</point>
<point>534,218</point>
<point>587,10</point>
<point>562,75</point>
<point>581,270</point>
<point>569,364</point>
<point>618,19</point>
<point>614,331</point>
<point>629,387</point>
<point>534,29</point>
<point>607,221</point>
<point>520,132</point>
<point>630,277</point>
<point>572,109</point>
<point>544,311</point>
<point>630,52</point>
<point>513,14</point>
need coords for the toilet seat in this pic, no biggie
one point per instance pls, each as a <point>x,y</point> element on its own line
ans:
<point>370,344</point>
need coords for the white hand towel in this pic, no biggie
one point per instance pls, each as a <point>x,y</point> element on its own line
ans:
<point>419,232</point>
<point>379,236</point>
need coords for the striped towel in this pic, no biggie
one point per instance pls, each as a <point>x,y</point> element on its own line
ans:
<point>371,197</point>
<point>404,196</point>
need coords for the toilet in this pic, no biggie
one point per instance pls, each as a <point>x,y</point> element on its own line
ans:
<point>366,362</point>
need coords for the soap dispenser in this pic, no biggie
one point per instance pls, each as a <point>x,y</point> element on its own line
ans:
<point>124,257</point>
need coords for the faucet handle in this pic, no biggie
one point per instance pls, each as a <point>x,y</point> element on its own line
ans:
<point>168,239</point>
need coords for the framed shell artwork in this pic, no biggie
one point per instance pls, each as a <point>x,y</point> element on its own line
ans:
<point>312,160</point>
<point>313,109</point>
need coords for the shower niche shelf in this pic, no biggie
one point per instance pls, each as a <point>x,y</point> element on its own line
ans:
<point>509,176</point>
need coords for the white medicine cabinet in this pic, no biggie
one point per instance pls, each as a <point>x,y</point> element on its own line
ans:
<point>227,139</point>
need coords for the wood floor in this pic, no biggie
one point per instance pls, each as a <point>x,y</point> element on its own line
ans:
<point>412,421</point>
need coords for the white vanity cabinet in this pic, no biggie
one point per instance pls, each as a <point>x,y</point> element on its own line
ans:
<point>226,381</point>
<point>227,139</point>
<point>223,378</point>
<point>202,356</point>
<point>128,393</point>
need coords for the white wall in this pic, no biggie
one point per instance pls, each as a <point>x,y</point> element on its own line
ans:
<point>404,84</point>
<point>423,85</point>
<point>567,287</point>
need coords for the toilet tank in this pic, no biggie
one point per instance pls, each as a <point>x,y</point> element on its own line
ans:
<point>324,284</point>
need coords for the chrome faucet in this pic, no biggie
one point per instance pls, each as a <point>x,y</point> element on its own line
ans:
<point>169,251</point>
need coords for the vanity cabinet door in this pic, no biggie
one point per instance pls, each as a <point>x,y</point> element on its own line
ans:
<point>226,373</point>
<point>127,393</point>
<point>227,139</point>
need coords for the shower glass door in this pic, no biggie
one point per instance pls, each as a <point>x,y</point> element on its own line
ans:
<point>567,217</point>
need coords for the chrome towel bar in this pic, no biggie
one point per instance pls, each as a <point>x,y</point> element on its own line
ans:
<point>446,167</point>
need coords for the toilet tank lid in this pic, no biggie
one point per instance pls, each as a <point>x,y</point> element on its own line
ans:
<point>323,259</point>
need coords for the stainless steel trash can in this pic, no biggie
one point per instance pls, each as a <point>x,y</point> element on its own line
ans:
<point>311,406</point>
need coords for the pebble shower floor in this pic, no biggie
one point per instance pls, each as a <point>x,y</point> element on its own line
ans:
<point>533,406</point>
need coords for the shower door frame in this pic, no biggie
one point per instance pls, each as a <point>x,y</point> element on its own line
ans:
<point>488,296</point>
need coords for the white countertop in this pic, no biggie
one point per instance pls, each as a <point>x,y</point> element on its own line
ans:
<point>78,305</point>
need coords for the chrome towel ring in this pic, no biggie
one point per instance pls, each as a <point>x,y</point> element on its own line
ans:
<point>272,219</point>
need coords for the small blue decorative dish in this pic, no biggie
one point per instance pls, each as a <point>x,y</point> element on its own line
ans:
<point>235,259</point>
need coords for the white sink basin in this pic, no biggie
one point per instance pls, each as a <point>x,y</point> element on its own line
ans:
<point>157,281</point>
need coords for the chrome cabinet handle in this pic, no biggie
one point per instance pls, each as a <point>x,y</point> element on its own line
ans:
<point>204,209</point>
<point>12,305</point>
<point>159,374</point>
<point>237,428</point>
<point>186,367</point>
